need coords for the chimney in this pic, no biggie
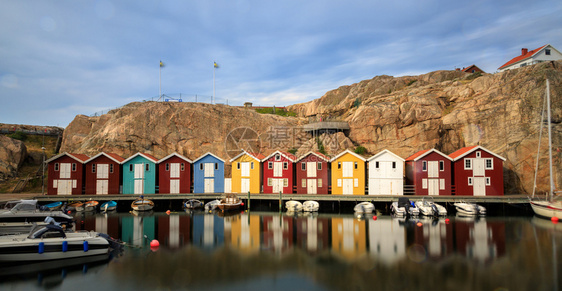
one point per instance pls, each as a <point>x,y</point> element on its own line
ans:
<point>524,51</point>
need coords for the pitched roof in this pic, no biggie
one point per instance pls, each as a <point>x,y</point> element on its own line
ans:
<point>113,156</point>
<point>467,69</point>
<point>523,57</point>
<point>257,156</point>
<point>146,156</point>
<point>207,154</point>
<point>175,154</point>
<point>424,153</point>
<point>467,150</point>
<point>78,157</point>
<point>383,152</point>
<point>347,152</point>
<point>321,156</point>
<point>287,155</point>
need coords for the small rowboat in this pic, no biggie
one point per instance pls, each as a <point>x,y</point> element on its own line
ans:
<point>230,202</point>
<point>310,206</point>
<point>108,206</point>
<point>212,205</point>
<point>75,206</point>
<point>53,206</point>
<point>90,205</point>
<point>364,207</point>
<point>293,206</point>
<point>192,204</point>
<point>142,204</point>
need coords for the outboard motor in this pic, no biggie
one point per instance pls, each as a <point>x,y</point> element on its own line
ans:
<point>435,210</point>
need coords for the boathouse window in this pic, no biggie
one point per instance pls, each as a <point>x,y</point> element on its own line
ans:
<point>269,181</point>
<point>470,181</point>
<point>441,166</point>
<point>73,167</point>
<point>182,166</point>
<point>277,157</point>
<point>285,182</point>
<point>376,165</point>
<point>355,182</point>
<point>56,167</point>
<point>488,181</point>
<point>147,167</point>
<point>201,166</point>
<point>252,165</point>
<point>303,183</point>
<point>489,164</point>
<point>339,182</point>
<point>394,165</point>
<point>319,166</point>
<point>167,167</point>
<point>468,164</point>
<point>238,166</point>
<point>424,166</point>
<point>111,168</point>
<point>319,183</point>
<point>339,165</point>
<point>285,165</point>
<point>216,166</point>
<point>478,154</point>
<point>270,165</point>
<point>547,52</point>
<point>303,166</point>
<point>93,168</point>
<point>355,165</point>
<point>130,167</point>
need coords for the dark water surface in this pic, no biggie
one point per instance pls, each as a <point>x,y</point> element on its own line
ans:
<point>273,251</point>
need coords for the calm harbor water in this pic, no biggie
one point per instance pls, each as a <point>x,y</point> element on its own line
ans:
<point>276,251</point>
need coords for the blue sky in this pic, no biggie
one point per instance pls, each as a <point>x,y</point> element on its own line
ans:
<point>68,57</point>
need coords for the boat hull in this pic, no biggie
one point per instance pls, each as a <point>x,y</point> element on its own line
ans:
<point>546,209</point>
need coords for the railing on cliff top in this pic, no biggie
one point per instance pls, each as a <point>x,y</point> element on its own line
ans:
<point>179,97</point>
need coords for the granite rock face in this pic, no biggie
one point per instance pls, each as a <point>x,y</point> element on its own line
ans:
<point>12,155</point>
<point>445,110</point>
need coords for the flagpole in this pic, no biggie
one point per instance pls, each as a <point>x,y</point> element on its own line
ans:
<point>214,68</point>
<point>160,81</point>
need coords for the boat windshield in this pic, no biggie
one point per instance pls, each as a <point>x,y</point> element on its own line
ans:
<point>46,231</point>
<point>25,206</point>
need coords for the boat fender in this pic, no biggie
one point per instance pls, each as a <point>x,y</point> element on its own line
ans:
<point>85,244</point>
<point>64,246</point>
<point>41,248</point>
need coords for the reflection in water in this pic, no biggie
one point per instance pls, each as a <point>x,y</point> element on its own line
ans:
<point>341,252</point>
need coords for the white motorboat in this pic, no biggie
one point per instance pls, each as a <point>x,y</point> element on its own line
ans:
<point>364,207</point>
<point>428,207</point>
<point>467,208</point>
<point>552,206</point>
<point>310,206</point>
<point>403,207</point>
<point>27,211</point>
<point>142,204</point>
<point>212,205</point>
<point>293,206</point>
<point>50,242</point>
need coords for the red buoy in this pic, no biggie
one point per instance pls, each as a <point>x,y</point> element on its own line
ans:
<point>446,220</point>
<point>154,243</point>
<point>374,217</point>
<point>554,219</point>
<point>168,212</point>
<point>419,224</point>
<point>242,203</point>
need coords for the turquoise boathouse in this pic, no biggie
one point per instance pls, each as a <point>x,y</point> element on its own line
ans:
<point>139,174</point>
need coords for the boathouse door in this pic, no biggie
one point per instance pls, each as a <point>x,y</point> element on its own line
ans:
<point>311,169</point>
<point>245,169</point>
<point>244,185</point>
<point>277,185</point>
<point>102,187</point>
<point>479,186</point>
<point>209,185</point>
<point>433,187</point>
<point>174,186</point>
<point>311,186</point>
<point>139,179</point>
<point>64,187</point>
<point>209,170</point>
<point>347,185</point>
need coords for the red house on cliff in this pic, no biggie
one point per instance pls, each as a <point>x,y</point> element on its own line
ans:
<point>430,172</point>
<point>312,173</point>
<point>174,174</point>
<point>278,172</point>
<point>477,172</point>
<point>103,174</point>
<point>65,174</point>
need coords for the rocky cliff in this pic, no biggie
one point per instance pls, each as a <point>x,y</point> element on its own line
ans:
<point>12,154</point>
<point>445,110</point>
